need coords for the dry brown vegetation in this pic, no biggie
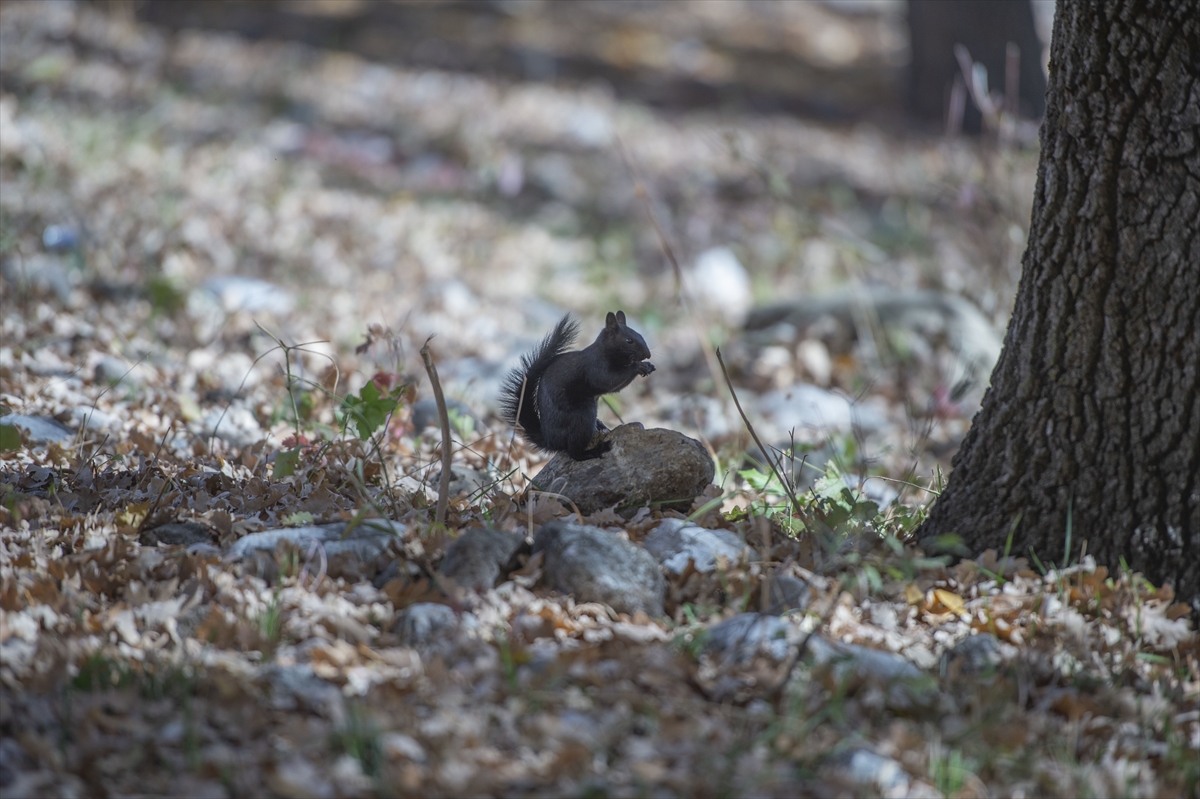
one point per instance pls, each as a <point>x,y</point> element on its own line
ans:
<point>383,206</point>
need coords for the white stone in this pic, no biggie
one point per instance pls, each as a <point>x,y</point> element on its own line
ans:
<point>718,282</point>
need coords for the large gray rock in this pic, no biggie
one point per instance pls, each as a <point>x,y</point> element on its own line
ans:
<point>367,540</point>
<point>597,566</point>
<point>477,558</point>
<point>675,542</point>
<point>643,466</point>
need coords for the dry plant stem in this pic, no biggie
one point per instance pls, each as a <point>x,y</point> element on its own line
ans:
<point>775,471</point>
<point>316,548</point>
<point>356,478</point>
<point>166,482</point>
<point>444,420</point>
<point>154,460</point>
<point>520,404</point>
<point>565,499</point>
<point>764,528</point>
<point>287,366</point>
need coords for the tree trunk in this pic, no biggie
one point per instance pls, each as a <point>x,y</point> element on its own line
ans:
<point>1093,413</point>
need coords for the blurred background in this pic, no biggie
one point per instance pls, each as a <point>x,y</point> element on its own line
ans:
<point>837,59</point>
<point>835,193</point>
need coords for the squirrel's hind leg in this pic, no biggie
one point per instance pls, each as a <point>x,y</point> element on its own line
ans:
<point>595,452</point>
<point>579,443</point>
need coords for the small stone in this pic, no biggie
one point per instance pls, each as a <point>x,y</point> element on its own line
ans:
<point>42,272</point>
<point>60,238</point>
<point>425,623</point>
<point>251,295</point>
<point>787,593</point>
<point>976,655</point>
<point>720,283</point>
<point>349,778</point>
<point>869,770</point>
<point>478,557</point>
<point>176,533</point>
<point>95,419</point>
<point>462,481</point>
<point>297,687</point>
<point>814,357</point>
<point>297,778</point>
<point>40,429</point>
<point>740,639</point>
<point>675,542</point>
<point>396,745</point>
<point>112,371</point>
<point>425,413</point>
<point>235,424</point>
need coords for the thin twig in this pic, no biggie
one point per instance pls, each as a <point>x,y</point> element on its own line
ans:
<point>444,418</point>
<point>286,349</point>
<point>512,439</point>
<point>764,525</point>
<point>316,548</point>
<point>167,480</point>
<point>786,485</point>
<point>532,492</point>
<point>563,497</point>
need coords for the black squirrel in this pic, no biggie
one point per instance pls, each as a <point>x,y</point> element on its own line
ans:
<point>553,394</point>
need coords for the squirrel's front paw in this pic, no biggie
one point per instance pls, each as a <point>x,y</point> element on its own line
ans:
<point>645,368</point>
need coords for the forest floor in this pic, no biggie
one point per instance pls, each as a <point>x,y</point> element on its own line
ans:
<point>221,259</point>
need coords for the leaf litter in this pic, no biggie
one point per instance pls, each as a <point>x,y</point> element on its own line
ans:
<point>135,662</point>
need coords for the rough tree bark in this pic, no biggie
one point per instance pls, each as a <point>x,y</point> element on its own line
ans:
<point>1094,406</point>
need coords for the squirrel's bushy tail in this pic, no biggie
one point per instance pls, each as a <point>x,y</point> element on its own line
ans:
<point>519,390</point>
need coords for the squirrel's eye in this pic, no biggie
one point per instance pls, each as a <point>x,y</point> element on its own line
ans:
<point>628,341</point>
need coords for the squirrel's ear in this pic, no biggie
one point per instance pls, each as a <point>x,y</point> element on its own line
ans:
<point>610,320</point>
<point>620,317</point>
